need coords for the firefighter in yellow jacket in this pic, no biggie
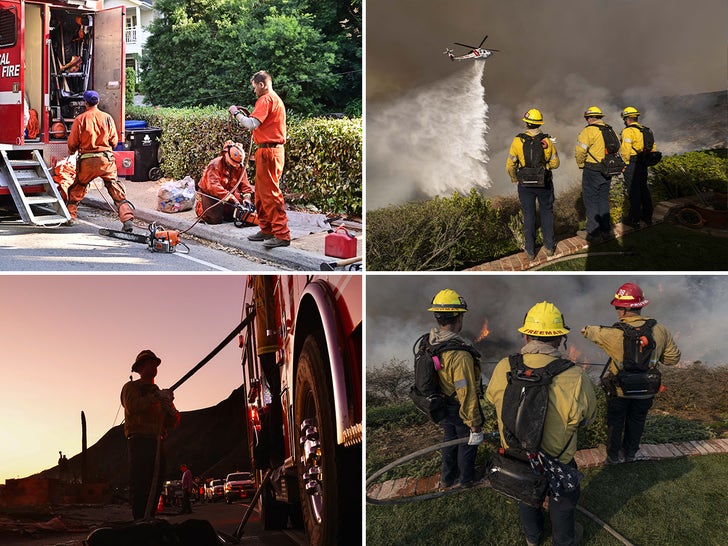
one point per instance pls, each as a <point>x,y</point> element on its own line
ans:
<point>589,153</point>
<point>635,173</point>
<point>627,413</point>
<point>534,177</point>
<point>572,403</point>
<point>459,379</point>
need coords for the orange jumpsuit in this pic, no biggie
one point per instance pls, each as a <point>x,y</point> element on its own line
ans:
<point>216,182</point>
<point>93,135</point>
<point>270,136</point>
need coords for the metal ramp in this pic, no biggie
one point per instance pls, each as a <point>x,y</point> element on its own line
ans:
<point>32,188</point>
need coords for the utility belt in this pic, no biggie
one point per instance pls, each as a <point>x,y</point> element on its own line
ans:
<point>631,384</point>
<point>108,155</point>
<point>593,166</point>
<point>270,144</point>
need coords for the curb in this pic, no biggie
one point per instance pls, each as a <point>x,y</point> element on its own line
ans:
<point>290,257</point>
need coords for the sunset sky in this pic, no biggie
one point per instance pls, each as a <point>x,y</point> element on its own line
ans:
<point>68,342</point>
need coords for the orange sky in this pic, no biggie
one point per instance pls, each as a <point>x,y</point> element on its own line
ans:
<point>67,343</point>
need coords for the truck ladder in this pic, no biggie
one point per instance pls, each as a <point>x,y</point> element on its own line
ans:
<point>33,189</point>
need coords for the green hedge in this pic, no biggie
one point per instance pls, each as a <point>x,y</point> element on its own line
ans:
<point>444,233</point>
<point>323,156</point>
<point>686,174</point>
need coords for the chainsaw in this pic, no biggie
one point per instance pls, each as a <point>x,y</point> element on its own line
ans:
<point>159,239</point>
<point>245,215</point>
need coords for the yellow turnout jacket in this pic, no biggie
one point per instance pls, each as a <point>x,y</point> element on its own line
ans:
<point>572,402</point>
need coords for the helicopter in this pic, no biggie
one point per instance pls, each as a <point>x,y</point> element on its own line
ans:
<point>477,53</point>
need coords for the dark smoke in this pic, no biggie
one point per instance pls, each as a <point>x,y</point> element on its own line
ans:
<point>694,309</point>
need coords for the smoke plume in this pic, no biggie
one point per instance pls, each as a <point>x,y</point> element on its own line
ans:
<point>693,308</point>
<point>430,142</point>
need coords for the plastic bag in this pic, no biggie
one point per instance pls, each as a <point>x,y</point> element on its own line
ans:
<point>176,195</point>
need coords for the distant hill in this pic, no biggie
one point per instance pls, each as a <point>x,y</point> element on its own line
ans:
<point>690,122</point>
<point>211,441</point>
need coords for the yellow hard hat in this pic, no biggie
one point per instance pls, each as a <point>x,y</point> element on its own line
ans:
<point>533,117</point>
<point>630,112</point>
<point>593,112</point>
<point>448,301</point>
<point>544,320</point>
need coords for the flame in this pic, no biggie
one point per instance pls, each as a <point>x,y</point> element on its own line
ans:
<point>575,355</point>
<point>483,332</point>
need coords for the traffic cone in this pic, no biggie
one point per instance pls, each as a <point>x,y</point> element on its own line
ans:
<point>160,506</point>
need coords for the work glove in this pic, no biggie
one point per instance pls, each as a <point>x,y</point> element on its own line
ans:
<point>476,438</point>
<point>235,109</point>
<point>166,395</point>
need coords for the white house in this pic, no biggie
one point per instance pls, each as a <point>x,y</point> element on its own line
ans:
<point>139,14</point>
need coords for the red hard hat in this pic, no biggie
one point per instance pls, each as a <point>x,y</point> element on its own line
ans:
<point>629,296</point>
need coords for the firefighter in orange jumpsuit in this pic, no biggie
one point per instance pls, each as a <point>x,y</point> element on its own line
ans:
<point>223,185</point>
<point>268,124</point>
<point>93,135</point>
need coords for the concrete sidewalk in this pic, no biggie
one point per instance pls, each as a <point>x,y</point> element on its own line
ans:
<point>306,252</point>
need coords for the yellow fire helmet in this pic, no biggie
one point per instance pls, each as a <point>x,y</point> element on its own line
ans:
<point>544,320</point>
<point>630,112</point>
<point>593,112</point>
<point>448,301</point>
<point>533,117</point>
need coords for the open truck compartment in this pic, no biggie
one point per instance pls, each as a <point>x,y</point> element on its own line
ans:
<point>50,53</point>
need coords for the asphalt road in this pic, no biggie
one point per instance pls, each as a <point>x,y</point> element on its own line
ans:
<point>66,530</point>
<point>80,248</point>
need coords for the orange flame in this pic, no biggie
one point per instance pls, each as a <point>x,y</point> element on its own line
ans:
<point>575,355</point>
<point>484,332</point>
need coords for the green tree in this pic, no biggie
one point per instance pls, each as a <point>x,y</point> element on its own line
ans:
<point>203,52</point>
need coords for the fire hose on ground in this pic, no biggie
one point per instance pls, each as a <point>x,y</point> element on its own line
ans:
<point>436,494</point>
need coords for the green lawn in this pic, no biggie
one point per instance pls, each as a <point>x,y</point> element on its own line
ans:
<point>663,247</point>
<point>671,503</point>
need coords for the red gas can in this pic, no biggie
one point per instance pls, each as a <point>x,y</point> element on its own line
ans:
<point>340,244</point>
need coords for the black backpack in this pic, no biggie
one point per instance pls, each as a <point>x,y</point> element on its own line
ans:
<point>516,472</point>
<point>649,157</point>
<point>426,393</point>
<point>637,376</point>
<point>612,164</point>
<point>533,174</point>
<point>639,344</point>
<point>525,402</point>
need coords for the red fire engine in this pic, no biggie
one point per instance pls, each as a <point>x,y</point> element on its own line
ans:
<point>302,369</point>
<point>50,53</point>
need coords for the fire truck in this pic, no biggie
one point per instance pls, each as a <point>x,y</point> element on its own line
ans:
<point>50,53</point>
<point>302,369</point>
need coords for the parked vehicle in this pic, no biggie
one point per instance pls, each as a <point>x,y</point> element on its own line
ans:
<point>302,373</point>
<point>215,490</point>
<point>239,485</point>
<point>172,493</point>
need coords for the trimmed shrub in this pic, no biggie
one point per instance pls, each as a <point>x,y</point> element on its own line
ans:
<point>686,174</point>
<point>323,156</point>
<point>444,233</point>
